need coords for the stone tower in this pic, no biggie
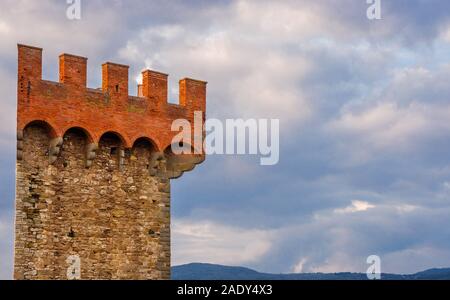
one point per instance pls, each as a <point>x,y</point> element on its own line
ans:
<point>93,170</point>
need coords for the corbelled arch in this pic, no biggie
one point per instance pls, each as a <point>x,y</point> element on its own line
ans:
<point>125,142</point>
<point>44,124</point>
<point>145,139</point>
<point>89,136</point>
<point>54,140</point>
<point>88,147</point>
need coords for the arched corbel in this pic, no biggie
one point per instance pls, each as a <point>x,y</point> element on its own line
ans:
<point>91,149</point>
<point>178,164</point>
<point>121,159</point>
<point>173,166</point>
<point>157,164</point>
<point>54,149</point>
<point>19,144</point>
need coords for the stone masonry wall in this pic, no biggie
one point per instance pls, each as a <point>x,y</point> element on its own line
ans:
<point>114,218</point>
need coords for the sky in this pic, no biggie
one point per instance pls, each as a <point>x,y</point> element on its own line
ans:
<point>364,110</point>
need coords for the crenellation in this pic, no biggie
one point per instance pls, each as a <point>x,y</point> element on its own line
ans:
<point>193,94</point>
<point>53,102</point>
<point>73,70</point>
<point>115,81</point>
<point>154,88</point>
<point>29,63</point>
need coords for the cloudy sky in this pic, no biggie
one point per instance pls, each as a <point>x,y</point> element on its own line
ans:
<point>364,109</point>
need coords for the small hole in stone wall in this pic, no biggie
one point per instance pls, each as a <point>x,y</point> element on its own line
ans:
<point>151,232</point>
<point>65,164</point>
<point>113,150</point>
<point>117,88</point>
<point>71,233</point>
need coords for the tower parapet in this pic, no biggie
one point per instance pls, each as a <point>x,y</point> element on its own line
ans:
<point>70,103</point>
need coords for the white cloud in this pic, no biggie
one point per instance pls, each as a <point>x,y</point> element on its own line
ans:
<point>45,24</point>
<point>4,28</point>
<point>356,206</point>
<point>445,33</point>
<point>395,119</point>
<point>249,74</point>
<point>208,241</point>
<point>385,125</point>
<point>406,208</point>
<point>298,267</point>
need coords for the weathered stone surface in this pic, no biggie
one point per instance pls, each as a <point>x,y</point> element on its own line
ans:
<point>111,228</point>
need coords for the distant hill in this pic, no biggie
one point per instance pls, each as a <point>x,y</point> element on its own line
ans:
<point>201,271</point>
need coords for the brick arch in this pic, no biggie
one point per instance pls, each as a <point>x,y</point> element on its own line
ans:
<point>45,124</point>
<point>124,140</point>
<point>89,136</point>
<point>153,142</point>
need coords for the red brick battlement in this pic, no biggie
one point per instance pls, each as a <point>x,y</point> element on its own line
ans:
<point>69,103</point>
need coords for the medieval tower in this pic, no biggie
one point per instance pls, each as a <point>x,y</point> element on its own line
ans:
<point>93,170</point>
